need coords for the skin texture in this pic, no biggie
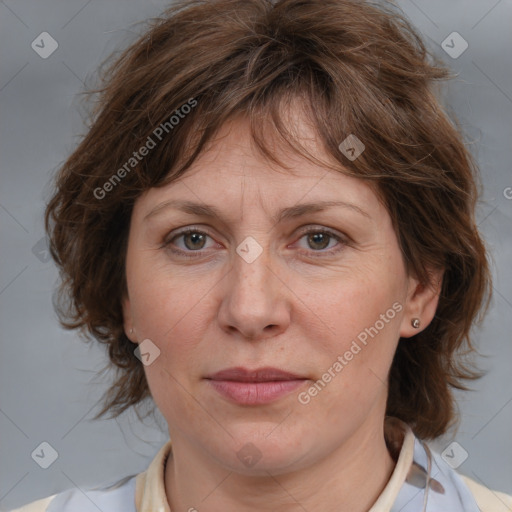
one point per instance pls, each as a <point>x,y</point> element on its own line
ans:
<point>297,307</point>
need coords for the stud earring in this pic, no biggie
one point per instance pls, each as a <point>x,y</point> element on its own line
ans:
<point>415,322</point>
<point>131,330</point>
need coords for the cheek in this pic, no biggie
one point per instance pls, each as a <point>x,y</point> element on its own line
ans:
<point>363,311</point>
<point>353,304</point>
<point>172,316</point>
<point>174,313</point>
<point>160,302</point>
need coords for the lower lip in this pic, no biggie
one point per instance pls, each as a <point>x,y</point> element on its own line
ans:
<point>255,393</point>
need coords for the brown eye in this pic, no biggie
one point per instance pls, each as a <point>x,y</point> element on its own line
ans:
<point>194,240</point>
<point>319,241</point>
<point>188,243</point>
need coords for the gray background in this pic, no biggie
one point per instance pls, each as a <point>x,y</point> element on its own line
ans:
<point>47,391</point>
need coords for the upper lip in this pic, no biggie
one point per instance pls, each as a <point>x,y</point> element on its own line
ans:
<point>266,374</point>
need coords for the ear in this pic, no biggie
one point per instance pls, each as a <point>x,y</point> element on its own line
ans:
<point>421,303</point>
<point>129,328</point>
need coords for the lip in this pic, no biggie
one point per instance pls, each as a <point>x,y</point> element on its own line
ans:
<point>266,374</point>
<point>254,387</point>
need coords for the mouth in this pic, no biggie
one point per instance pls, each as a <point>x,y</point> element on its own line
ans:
<point>266,374</point>
<point>254,387</point>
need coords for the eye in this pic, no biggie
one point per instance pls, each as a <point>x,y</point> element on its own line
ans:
<point>320,239</point>
<point>193,241</point>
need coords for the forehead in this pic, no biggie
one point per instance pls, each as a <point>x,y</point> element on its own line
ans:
<point>234,147</point>
<point>231,172</point>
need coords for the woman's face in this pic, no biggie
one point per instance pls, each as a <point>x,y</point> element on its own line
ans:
<point>256,288</point>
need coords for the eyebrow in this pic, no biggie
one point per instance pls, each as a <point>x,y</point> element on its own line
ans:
<point>208,210</point>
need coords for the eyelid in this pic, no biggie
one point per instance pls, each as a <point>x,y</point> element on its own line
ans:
<point>303,230</point>
<point>312,228</point>
<point>180,231</point>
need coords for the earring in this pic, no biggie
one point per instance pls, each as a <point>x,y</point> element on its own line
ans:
<point>131,330</point>
<point>415,322</point>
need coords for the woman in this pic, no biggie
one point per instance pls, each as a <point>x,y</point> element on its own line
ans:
<point>270,223</point>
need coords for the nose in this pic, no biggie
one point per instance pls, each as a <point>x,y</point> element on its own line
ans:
<point>255,302</point>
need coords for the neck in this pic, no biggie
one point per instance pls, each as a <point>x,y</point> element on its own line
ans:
<point>350,478</point>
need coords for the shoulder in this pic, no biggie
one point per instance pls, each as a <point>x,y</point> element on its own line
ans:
<point>36,506</point>
<point>144,491</point>
<point>487,499</point>
<point>432,479</point>
<point>112,498</point>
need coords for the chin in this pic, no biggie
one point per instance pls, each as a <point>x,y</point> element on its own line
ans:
<point>258,453</point>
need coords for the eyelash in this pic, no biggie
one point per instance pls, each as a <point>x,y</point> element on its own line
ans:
<point>316,254</point>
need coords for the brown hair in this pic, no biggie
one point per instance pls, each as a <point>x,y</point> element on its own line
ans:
<point>358,68</point>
